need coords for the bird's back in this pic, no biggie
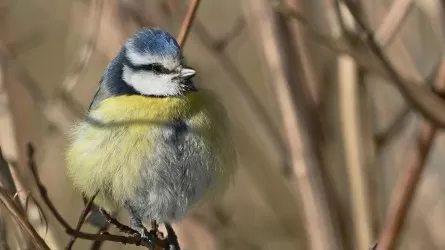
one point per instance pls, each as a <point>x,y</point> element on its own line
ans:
<point>145,140</point>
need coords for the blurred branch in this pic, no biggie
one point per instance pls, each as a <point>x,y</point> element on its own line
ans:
<point>3,232</point>
<point>21,220</point>
<point>350,118</point>
<point>406,184</point>
<point>79,65</point>
<point>352,97</point>
<point>221,43</point>
<point>135,240</point>
<point>429,104</point>
<point>24,44</point>
<point>420,98</point>
<point>187,23</point>
<point>384,137</point>
<point>295,113</point>
<point>393,21</point>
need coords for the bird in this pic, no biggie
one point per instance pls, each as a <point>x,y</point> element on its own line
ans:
<point>152,142</point>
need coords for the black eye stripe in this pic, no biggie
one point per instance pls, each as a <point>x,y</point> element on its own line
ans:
<point>153,67</point>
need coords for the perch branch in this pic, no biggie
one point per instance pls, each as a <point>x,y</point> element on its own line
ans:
<point>69,230</point>
<point>123,228</point>
<point>81,221</point>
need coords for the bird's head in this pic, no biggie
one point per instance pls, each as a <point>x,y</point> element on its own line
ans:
<point>153,64</point>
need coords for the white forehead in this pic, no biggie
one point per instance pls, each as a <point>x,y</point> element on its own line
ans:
<point>138,58</point>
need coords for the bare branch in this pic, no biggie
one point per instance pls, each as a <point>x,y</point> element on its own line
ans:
<point>296,114</point>
<point>420,98</point>
<point>393,21</point>
<point>20,219</point>
<point>81,221</point>
<point>406,184</point>
<point>86,50</point>
<point>187,23</point>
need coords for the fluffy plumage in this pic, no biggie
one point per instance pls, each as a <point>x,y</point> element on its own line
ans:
<point>162,169</point>
<point>171,147</point>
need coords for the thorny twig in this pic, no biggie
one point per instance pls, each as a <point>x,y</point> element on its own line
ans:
<point>187,22</point>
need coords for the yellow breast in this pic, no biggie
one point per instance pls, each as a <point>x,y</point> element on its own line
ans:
<point>108,158</point>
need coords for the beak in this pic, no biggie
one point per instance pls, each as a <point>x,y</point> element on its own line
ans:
<point>187,73</point>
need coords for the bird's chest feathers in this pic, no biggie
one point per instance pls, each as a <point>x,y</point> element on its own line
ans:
<point>146,124</point>
<point>145,134</point>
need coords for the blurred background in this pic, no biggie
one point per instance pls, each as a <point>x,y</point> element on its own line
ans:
<point>324,139</point>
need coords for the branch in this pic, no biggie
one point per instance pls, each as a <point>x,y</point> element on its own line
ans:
<point>81,221</point>
<point>295,107</point>
<point>187,23</point>
<point>104,236</point>
<point>79,66</point>
<point>3,232</point>
<point>430,105</point>
<point>420,98</point>
<point>406,184</point>
<point>21,219</point>
<point>393,21</point>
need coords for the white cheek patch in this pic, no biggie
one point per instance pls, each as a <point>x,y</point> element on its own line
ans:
<point>141,59</point>
<point>148,83</point>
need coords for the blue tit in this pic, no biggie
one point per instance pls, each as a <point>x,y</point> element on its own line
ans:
<point>156,170</point>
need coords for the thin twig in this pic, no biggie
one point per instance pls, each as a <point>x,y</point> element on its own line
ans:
<point>420,98</point>
<point>393,21</point>
<point>134,239</point>
<point>21,219</point>
<point>426,102</point>
<point>297,119</point>
<point>98,244</point>
<point>188,21</point>
<point>123,228</point>
<point>81,221</point>
<point>406,184</point>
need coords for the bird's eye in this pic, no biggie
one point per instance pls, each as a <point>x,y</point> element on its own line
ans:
<point>156,68</point>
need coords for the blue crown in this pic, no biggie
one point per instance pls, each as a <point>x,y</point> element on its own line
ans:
<point>155,41</point>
